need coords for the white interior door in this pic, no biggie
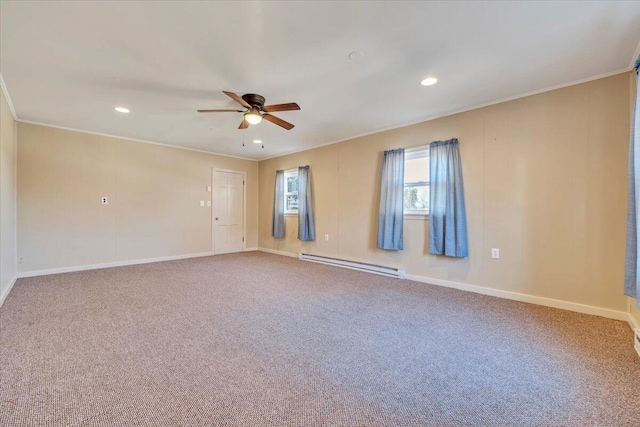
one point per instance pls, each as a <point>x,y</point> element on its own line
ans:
<point>228,212</point>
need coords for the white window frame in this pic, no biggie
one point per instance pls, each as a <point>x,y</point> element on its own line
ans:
<point>409,154</point>
<point>288,173</point>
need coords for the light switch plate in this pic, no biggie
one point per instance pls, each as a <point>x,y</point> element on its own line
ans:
<point>201,203</point>
<point>208,203</point>
<point>209,188</point>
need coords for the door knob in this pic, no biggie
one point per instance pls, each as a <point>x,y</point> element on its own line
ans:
<point>217,218</point>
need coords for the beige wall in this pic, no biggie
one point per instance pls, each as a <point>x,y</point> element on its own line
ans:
<point>545,181</point>
<point>7,198</point>
<point>154,193</point>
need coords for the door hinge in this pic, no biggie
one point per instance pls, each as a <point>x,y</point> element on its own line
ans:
<point>242,182</point>
<point>243,239</point>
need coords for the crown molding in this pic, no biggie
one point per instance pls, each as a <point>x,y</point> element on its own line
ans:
<point>31,122</point>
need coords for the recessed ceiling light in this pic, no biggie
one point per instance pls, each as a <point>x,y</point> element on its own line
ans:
<point>122,110</point>
<point>355,55</point>
<point>257,141</point>
<point>429,81</point>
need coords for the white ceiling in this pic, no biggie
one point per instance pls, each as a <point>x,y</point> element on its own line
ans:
<point>69,64</point>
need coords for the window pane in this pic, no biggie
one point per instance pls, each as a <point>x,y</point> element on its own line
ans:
<point>416,198</point>
<point>291,202</point>
<point>292,184</point>
<point>416,170</point>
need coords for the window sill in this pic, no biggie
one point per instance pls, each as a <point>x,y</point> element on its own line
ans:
<point>416,216</point>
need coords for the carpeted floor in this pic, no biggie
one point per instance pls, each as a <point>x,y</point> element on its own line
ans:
<point>255,339</point>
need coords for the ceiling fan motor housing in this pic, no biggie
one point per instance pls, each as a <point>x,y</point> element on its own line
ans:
<point>254,100</point>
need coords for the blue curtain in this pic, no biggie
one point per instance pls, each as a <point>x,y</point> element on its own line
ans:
<point>391,215</point>
<point>631,283</point>
<point>306,214</point>
<point>447,216</point>
<point>277,229</point>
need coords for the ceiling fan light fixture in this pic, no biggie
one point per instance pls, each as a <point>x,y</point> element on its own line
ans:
<point>253,116</point>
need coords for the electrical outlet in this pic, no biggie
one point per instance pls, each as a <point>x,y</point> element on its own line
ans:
<point>495,253</point>
<point>105,200</point>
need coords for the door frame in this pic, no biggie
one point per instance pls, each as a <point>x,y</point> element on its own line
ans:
<point>244,207</point>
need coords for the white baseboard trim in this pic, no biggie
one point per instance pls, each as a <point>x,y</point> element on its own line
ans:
<point>250,249</point>
<point>531,299</point>
<point>109,265</point>
<point>547,302</point>
<point>4,296</point>
<point>273,251</point>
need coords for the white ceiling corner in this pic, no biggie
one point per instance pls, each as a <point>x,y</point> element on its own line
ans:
<point>5,91</point>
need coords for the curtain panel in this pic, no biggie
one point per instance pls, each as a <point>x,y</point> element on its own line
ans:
<point>306,213</point>
<point>631,283</point>
<point>447,215</point>
<point>277,229</point>
<point>391,214</point>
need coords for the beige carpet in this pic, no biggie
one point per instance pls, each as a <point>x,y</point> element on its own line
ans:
<point>256,339</point>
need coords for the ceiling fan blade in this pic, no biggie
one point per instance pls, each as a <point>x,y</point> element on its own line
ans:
<point>236,98</point>
<point>243,124</point>
<point>275,120</point>
<point>219,111</point>
<point>281,107</point>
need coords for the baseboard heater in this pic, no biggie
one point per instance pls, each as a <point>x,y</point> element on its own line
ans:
<point>353,265</point>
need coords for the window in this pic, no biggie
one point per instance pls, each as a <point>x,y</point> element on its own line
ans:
<point>291,191</point>
<point>416,181</point>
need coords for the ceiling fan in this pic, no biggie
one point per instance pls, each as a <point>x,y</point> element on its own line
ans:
<point>256,110</point>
